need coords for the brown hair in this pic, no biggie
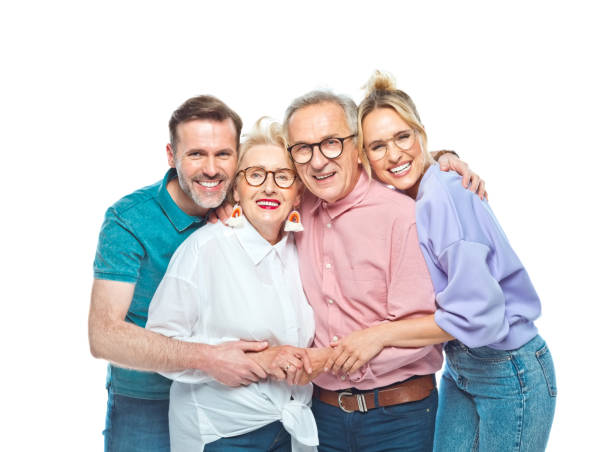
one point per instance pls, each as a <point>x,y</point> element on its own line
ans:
<point>382,93</point>
<point>203,107</point>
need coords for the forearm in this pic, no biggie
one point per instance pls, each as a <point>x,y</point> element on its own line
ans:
<point>413,332</point>
<point>128,345</point>
<point>437,154</point>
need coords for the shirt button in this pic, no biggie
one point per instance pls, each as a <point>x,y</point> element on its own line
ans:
<point>335,338</point>
<point>342,377</point>
<point>330,301</point>
<point>327,265</point>
<point>328,225</point>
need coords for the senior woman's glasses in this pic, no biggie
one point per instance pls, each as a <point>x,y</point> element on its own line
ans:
<point>256,176</point>
<point>330,147</point>
<point>403,140</point>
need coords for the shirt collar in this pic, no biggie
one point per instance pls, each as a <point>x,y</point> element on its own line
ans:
<point>179,219</point>
<point>335,209</point>
<point>256,247</point>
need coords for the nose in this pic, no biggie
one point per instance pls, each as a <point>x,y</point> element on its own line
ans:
<point>269,185</point>
<point>209,166</point>
<point>394,154</point>
<point>318,160</point>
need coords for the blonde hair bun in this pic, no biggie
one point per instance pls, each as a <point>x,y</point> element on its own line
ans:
<point>380,81</point>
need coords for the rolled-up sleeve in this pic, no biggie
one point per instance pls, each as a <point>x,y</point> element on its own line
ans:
<point>410,293</point>
<point>472,306</point>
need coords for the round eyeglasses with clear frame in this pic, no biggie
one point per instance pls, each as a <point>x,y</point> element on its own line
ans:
<point>256,176</point>
<point>330,147</point>
<point>403,140</point>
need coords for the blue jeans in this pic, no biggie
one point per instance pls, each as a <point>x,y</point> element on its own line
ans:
<point>135,425</point>
<point>496,400</point>
<point>404,427</point>
<point>272,437</point>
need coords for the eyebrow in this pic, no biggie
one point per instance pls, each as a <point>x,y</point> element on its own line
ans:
<point>207,150</point>
<point>333,135</point>
<point>378,140</point>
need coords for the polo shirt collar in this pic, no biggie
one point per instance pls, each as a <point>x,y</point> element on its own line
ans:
<point>256,247</point>
<point>179,219</point>
<point>356,195</point>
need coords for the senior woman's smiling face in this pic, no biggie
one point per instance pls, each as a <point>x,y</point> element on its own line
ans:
<point>267,206</point>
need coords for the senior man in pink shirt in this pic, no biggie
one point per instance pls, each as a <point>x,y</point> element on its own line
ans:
<point>366,279</point>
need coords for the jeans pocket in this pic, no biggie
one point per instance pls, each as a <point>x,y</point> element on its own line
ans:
<point>548,369</point>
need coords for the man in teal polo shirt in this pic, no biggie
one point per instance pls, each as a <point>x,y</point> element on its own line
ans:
<point>138,237</point>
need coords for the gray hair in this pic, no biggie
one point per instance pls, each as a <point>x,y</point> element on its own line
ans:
<point>319,97</point>
<point>345,102</point>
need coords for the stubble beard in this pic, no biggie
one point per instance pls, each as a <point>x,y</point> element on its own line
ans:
<point>205,202</point>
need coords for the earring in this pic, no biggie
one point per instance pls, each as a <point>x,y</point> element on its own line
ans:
<point>293,223</point>
<point>236,220</point>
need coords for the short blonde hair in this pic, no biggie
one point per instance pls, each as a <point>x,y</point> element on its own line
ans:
<point>266,131</point>
<point>382,93</point>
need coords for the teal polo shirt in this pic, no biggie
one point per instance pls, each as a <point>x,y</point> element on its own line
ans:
<point>139,236</point>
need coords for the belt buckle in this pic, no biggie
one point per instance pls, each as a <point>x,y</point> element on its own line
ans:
<point>361,403</point>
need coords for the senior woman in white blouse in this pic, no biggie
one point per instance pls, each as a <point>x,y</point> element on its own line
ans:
<point>242,282</point>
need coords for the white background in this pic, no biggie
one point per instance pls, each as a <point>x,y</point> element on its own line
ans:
<point>521,90</point>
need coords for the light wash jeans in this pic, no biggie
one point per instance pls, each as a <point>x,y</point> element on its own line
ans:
<point>496,400</point>
<point>136,425</point>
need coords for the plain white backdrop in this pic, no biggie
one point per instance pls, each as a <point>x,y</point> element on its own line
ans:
<point>521,90</point>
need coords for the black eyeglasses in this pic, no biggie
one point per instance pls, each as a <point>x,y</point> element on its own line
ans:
<point>256,176</point>
<point>403,140</point>
<point>330,147</point>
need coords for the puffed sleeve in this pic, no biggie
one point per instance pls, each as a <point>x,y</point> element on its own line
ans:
<point>472,306</point>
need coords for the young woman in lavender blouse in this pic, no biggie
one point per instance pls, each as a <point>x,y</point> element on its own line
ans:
<point>498,388</point>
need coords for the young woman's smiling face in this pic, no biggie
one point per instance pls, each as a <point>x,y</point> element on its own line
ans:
<point>403,163</point>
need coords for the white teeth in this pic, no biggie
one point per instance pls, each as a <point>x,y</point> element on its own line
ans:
<point>268,203</point>
<point>209,184</point>
<point>324,177</point>
<point>399,169</point>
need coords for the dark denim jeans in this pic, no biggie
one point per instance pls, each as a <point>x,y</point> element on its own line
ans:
<point>404,427</point>
<point>271,438</point>
<point>136,425</point>
<point>496,400</point>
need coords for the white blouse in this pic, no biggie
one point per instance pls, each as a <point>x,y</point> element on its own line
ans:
<point>225,284</point>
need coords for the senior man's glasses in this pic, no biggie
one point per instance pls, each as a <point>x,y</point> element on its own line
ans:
<point>403,140</point>
<point>256,176</point>
<point>330,147</point>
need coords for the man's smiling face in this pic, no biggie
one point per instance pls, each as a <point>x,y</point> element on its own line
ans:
<point>328,179</point>
<point>205,159</point>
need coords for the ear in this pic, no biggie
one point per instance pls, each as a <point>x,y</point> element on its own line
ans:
<point>300,193</point>
<point>235,194</point>
<point>170,156</point>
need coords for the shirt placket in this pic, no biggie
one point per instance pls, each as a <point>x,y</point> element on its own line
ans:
<point>330,280</point>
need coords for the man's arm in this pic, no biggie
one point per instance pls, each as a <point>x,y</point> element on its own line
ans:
<point>128,345</point>
<point>449,160</point>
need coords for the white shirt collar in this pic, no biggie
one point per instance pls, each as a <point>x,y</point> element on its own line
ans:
<point>256,247</point>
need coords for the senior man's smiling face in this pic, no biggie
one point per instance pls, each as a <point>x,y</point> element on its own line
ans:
<point>328,179</point>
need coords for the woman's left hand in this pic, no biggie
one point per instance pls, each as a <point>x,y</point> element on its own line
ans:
<point>292,361</point>
<point>353,351</point>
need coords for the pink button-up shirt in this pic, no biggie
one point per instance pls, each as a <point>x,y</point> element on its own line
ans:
<point>361,265</point>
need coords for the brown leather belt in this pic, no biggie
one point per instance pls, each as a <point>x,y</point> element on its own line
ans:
<point>409,391</point>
